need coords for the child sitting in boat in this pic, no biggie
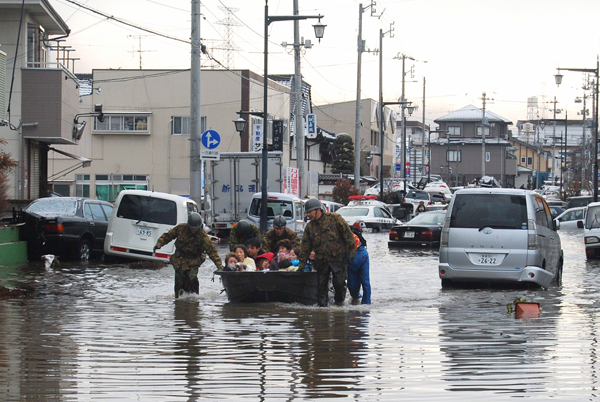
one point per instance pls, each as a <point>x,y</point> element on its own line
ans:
<point>232,263</point>
<point>292,263</point>
<point>284,248</point>
<point>263,261</point>
<point>242,254</point>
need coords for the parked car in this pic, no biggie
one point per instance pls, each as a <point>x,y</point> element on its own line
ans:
<point>579,201</point>
<point>439,187</point>
<point>500,235</point>
<point>288,205</point>
<point>139,218</point>
<point>569,218</point>
<point>373,213</point>
<point>556,203</point>
<point>69,227</point>
<point>555,211</point>
<point>331,206</point>
<point>591,231</point>
<point>423,230</point>
<point>416,196</point>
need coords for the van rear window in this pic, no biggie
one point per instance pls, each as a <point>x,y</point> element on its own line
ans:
<point>501,211</point>
<point>148,209</point>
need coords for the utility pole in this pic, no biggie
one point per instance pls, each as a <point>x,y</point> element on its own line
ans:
<point>423,137</point>
<point>195,163</point>
<point>381,111</point>
<point>485,124</point>
<point>299,117</point>
<point>357,121</point>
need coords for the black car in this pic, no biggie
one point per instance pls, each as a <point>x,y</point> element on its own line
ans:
<point>424,230</point>
<point>65,226</point>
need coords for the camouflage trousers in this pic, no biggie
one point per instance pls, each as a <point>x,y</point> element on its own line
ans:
<point>186,281</point>
<point>324,269</point>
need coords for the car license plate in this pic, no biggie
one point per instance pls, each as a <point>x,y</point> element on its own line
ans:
<point>143,231</point>
<point>409,235</point>
<point>487,259</point>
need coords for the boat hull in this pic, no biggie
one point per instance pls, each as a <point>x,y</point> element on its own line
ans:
<point>272,286</point>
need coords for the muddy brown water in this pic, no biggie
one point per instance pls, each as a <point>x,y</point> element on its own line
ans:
<point>99,332</point>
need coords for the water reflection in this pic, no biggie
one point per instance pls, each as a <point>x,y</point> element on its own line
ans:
<point>315,352</point>
<point>487,349</point>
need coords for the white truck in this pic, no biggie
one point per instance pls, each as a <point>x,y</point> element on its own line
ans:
<point>233,180</point>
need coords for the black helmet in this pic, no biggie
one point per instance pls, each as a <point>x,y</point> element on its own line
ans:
<point>279,222</point>
<point>194,220</point>
<point>244,228</point>
<point>312,204</point>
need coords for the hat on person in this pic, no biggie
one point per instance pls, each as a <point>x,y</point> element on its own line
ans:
<point>357,225</point>
<point>269,256</point>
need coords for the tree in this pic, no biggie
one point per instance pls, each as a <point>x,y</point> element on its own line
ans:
<point>344,155</point>
<point>7,165</point>
<point>342,190</point>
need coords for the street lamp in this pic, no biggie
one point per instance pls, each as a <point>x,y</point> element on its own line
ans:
<point>319,31</point>
<point>558,79</point>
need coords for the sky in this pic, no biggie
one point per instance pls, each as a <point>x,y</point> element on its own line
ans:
<point>507,49</point>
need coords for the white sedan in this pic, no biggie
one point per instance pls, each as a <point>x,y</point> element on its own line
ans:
<point>569,218</point>
<point>374,217</point>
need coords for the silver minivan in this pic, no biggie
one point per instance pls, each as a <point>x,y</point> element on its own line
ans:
<point>500,235</point>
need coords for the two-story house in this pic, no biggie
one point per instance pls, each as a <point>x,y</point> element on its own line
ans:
<point>41,95</point>
<point>472,144</point>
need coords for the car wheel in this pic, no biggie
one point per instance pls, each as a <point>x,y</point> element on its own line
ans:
<point>376,229</point>
<point>84,250</point>
<point>559,273</point>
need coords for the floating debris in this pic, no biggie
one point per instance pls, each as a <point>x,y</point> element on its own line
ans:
<point>8,293</point>
<point>147,265</point>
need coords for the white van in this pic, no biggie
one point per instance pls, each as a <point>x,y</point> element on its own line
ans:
<point>287,205</point>
<point>139,218</point>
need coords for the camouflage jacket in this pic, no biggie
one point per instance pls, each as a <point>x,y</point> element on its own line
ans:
<point>235,238</point>
<point>189,247</point>
<point>330,237</point>
<point>270,239</point>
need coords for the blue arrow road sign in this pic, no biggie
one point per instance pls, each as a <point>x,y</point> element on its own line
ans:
<point>211,139</point>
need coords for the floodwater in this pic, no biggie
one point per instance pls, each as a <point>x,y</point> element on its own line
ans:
<point>112,333</point>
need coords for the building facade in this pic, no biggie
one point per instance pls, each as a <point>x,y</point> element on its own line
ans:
<point>41,101</point>
<point>143,141</point>
<point>341,117</point>
<point>470,145</point>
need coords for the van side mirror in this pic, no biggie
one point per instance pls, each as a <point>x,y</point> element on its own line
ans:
<point>580,224</point>
<point>556,224</point>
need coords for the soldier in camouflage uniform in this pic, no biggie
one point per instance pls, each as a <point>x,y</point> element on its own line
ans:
<point>279,232</point>
<point>191,243</point>
<point>330,237</point>
<point>241,233</point>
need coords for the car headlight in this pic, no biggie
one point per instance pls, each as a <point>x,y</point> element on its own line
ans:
<point>591,240</point>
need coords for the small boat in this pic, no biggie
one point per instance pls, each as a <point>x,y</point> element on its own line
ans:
<point>270,286</point>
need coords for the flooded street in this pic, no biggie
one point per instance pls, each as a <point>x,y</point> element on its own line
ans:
<point>109,332</point>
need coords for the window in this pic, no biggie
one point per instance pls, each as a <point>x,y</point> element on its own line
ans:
<point>523,160</point>
<point>135,123</point>
<point>82,185</point>
<point>454,130</point>
<point>480,130</point>
<point>374,138</point>
<point>182,125</point>
<point>453,156</point>
<point>149,209</point>
<point>109,186</point>
<point>530,160</point>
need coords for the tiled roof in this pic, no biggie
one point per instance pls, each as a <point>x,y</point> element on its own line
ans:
<point>472,113</point>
